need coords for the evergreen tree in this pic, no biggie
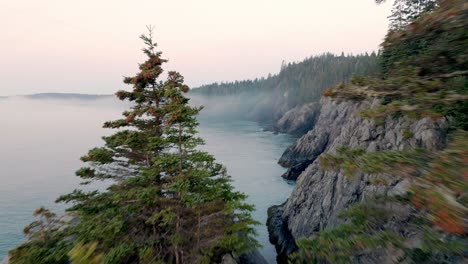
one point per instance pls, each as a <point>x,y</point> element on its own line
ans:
<point>406,11</point>
<point>168,202</point>
<point>46,241</point>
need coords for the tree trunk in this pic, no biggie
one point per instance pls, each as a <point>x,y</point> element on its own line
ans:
<point>181,153</point>
<point>198,232</point>
<point>176,247</point>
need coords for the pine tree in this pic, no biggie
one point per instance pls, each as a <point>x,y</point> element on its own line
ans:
<point>168,202</point>
<point>406,11</point>
<point>46,241</point>
<point>199,186</point>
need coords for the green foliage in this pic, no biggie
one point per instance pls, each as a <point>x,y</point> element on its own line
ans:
<point>353,161</point>
<point>410,96</point>
<point>433,44</point>
<point>33,253</point>
<point>43,229</point>
<point>406,11</point>
<point>442,189</point>
<point>45,242</point>
<point>437,177</point>
<point>120,253</point>
<point>339,245</point>
<point>437,195</point>
<point>407,134</point>
<point>85,254</point>
<point>99,155</point>
<point>168,201</point>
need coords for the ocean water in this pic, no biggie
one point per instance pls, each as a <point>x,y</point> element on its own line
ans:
<point>41,141</point>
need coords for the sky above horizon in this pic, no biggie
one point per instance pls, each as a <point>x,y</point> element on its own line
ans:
<point>88,46</point>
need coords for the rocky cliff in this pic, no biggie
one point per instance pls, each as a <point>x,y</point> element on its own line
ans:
<point>320,196</point>
<point>298,120</point>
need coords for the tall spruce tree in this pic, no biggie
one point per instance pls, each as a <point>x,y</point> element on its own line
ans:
<point>169,202</point>
<point>406,11</point>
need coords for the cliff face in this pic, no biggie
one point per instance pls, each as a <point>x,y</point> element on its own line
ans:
<point>298,120</point>
<point>252,257</point>
<point>320,196</point>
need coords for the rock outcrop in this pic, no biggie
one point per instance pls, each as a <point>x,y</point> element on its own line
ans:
<point>295,170</point>
<point>251,257</point>
<point>320,196</point>
<point>279,234</point>
<point>298,120</point>
<point>6,260</point>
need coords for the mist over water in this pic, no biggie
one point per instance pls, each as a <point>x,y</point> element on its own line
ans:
<point>41,141</point>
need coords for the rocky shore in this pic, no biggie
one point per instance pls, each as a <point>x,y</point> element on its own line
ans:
<point>298,120</point>
<point>320,196</point>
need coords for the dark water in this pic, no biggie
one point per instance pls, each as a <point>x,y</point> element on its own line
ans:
<point>41,142</point>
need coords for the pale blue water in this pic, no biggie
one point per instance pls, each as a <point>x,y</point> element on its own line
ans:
<point>41,142</point>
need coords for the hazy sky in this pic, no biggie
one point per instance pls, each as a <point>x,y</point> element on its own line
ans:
<point>86,46</point>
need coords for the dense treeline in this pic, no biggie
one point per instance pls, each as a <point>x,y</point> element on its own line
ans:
<point>297,83</point>
<point>304,82</point>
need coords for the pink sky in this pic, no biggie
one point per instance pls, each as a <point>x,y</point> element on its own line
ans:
<point>87,46</point>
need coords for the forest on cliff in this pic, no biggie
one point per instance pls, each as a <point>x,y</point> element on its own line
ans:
<point>423,78</point>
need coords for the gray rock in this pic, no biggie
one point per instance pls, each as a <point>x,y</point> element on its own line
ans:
<point>279,234</point>
<point>292,173</point>
<point>401,188</point>
<point>320,196</point>
<point>339,124</point>
<point>252,257</point>
<point>6,260</point>
<point>228,259</point>
<point>298,120</point>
